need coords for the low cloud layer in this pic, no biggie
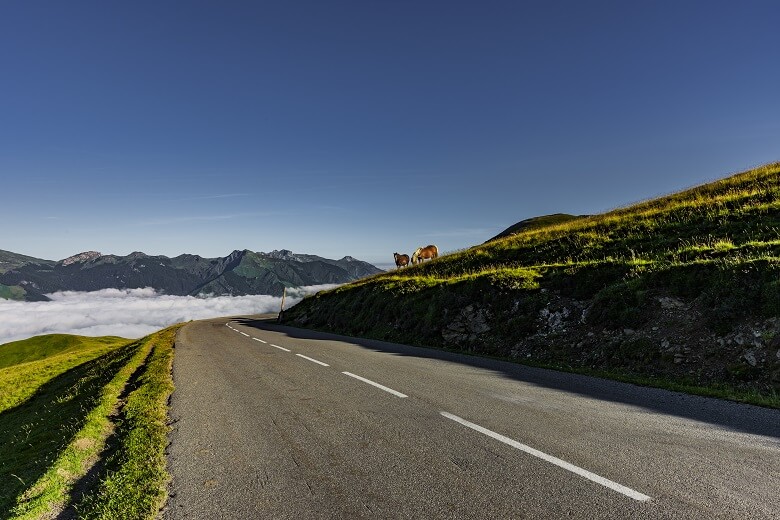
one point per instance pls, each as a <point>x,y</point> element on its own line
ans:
<point>130,313</point>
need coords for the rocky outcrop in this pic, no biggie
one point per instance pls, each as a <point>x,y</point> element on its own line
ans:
<point>80,258</point>
<point>470,323</point>
<point>675,339</point>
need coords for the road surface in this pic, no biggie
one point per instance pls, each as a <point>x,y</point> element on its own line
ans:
<point>276,422</point>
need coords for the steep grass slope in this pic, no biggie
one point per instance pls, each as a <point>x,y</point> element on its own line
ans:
<point>530,224</point>
<point>680,290</point>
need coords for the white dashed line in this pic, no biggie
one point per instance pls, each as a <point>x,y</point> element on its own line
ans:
<point>372,383</point>
<point>313,360</point>
<point>260,340</point>
<point>280,348</point>
<point>636,495</point>
<point>245,334</point>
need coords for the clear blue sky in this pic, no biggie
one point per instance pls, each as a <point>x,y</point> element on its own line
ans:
<point>365,127</point>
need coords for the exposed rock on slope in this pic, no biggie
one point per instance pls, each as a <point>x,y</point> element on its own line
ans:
<point>81,258</point>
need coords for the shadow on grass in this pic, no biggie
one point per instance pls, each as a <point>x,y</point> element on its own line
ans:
<point>106,459</point>
<point>33,434</point>
<point>734,416</point>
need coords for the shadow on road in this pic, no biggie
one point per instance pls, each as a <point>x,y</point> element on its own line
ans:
<point>734,416</point>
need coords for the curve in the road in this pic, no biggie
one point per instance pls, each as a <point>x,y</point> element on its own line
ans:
<point>625,490</point>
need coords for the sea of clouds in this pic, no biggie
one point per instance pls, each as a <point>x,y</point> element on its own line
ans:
<point>129,313</point>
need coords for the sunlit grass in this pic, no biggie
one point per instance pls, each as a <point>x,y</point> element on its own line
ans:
<point>49,492</point>
<point>109,411</point>
<point>26,365</point>
<point>34,433</point>
<point>696,224</point>
<point>133,484</point>
<point>715,246</point>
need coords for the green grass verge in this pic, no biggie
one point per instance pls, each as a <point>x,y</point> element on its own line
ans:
<point>50,491</point>
<point>133,484</point>
<point>34,434</point>
<point>62,448</point>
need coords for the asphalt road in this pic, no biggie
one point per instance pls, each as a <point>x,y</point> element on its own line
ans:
<point>276,422</point>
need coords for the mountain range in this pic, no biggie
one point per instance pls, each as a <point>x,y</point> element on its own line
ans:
<point>240,273</point>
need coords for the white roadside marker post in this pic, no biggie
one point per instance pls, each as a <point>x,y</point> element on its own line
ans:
<point>281,308</point>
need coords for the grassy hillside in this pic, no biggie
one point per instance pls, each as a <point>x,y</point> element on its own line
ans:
<point>12,292</point>
<point>681,290</point>
<point>39,347</point>
<point>79,414</point>
<point>9,261</point>
<point>26,365</point>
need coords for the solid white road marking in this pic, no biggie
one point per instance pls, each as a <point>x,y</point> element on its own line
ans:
<point>280,348</point>
<point>636,495</point>
<point>313,360</point>
<point>260,340</point>
<point>245,334</point>
<point>372,383</point>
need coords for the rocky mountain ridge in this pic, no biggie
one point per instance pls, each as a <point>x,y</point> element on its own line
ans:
<point>241,272</point>
<point>81,257</point>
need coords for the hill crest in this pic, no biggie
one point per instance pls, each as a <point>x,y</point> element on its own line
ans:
<point>536,223</point>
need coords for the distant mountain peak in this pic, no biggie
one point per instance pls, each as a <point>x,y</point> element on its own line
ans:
<point>81,258</point>
<point>237,254</point>
<point>282,254</point>
<point>241,272</point>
